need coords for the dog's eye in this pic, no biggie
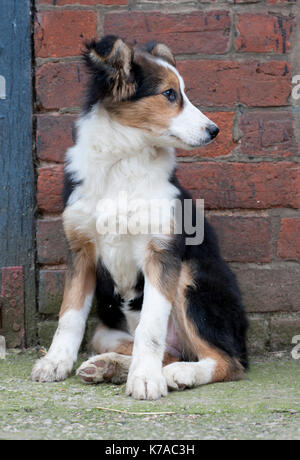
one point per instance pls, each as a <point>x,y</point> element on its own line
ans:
<point>170,94</point>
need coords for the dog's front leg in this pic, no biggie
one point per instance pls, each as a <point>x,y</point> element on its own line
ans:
<point>145,379</point>
<point>77,301</point>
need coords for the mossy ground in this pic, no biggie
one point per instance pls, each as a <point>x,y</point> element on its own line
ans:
<point>266,405</point>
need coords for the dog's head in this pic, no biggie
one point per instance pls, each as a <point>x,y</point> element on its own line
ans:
<point>141,88</point>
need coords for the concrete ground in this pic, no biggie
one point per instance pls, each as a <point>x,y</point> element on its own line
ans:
<point>264,406</point>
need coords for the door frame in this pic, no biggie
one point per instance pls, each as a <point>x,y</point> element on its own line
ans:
<point>17,174</point>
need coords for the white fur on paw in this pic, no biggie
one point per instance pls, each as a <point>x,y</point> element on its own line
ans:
<point>143,385</point>
<point>179,376</point>
<point>51,370</point>
<point>107,367</point>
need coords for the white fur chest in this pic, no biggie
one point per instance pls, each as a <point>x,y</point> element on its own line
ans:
<point>118,175</point>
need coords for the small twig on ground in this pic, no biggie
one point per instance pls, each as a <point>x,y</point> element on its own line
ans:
<point>126,412</point>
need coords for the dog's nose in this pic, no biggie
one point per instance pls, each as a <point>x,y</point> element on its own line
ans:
<point>213,131</point>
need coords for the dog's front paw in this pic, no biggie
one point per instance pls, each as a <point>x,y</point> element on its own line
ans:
<point>51,370</point>
<point>146,385</point>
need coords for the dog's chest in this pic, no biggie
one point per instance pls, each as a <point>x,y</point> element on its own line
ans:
<point>118,256</point>
<point>106,207</point>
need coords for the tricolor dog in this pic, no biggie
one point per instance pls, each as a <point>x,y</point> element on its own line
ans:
<point>170,313</point>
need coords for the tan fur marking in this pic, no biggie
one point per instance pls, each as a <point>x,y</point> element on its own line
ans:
<point>169,359</point>
<point>152,113</point>
<point>161,270</point>
<point>227,369</point>
<point>81,275</point>
<point>118,64</point>
<point>162,51</point>
<point>125,348</point>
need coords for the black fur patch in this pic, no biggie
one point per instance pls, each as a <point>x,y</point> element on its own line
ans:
<point>110,70</point>
<point>136,304</point>
<point>215,304</point>
<point>108,303</point>
<point>69,186</point>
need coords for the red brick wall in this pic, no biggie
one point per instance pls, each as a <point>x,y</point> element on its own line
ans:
<point>237,58</point>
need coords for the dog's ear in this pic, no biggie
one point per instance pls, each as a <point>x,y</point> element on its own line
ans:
<point>162,51</point>
<point>110,61</point>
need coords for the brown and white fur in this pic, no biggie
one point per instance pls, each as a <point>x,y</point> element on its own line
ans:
<point>137,112</point>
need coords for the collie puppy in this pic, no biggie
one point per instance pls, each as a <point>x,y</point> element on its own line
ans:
<point>170,309</point>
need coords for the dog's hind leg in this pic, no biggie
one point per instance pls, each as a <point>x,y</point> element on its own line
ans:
<point>77,301</point>
<point>210,364</point>
<point>107,367</point>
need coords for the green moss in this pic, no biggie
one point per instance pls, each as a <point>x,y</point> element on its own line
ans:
<point>266,405</point>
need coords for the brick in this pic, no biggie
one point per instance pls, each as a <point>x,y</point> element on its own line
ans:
<point>223,145</point>
<point>274,2</point>
<point>51,242</point>
<point>60,85</point>
<point>258,334</point>
<point>50,189</point>
<point>12,308</point>
<point>46,330</point>
<point>268,134</point>
<point>243,1</point>
<point>242,185</point>
<point>243,239</point>
<point>51,288</point>
<point>263,33</point>
<point>54,136</point>
<point>270,289</point>
<point>283,329</point>
<point>226,83</point>
<point>60,33</point>
<point>82,2</point>
<point>197,32</point>
<point>288,246</point>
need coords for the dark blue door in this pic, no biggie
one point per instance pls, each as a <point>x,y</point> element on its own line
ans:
<point>16,163</point>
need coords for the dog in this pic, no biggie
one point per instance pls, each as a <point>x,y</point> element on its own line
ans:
<point>171,315</point>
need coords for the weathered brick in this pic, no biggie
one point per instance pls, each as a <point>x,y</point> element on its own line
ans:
<point>243,239</point>
<point>51,242</point>
<point>274,2</point>
<point>60,85</point>
<point>46,330</point>
<point>271,288</point>
<point>288,246</point>
<point>223,145</point>
<point>258,334</point>
<point>51,288</point>
<point>50,188</point>
<point>54,136</point>
<point>243,1</point>
<point>268,134</point>
<point>197,32</point>
<point>61,33</point>
<point>263,33</point>
<point>242,185</point>
<point>283,329</point>
<point>226,83</point>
